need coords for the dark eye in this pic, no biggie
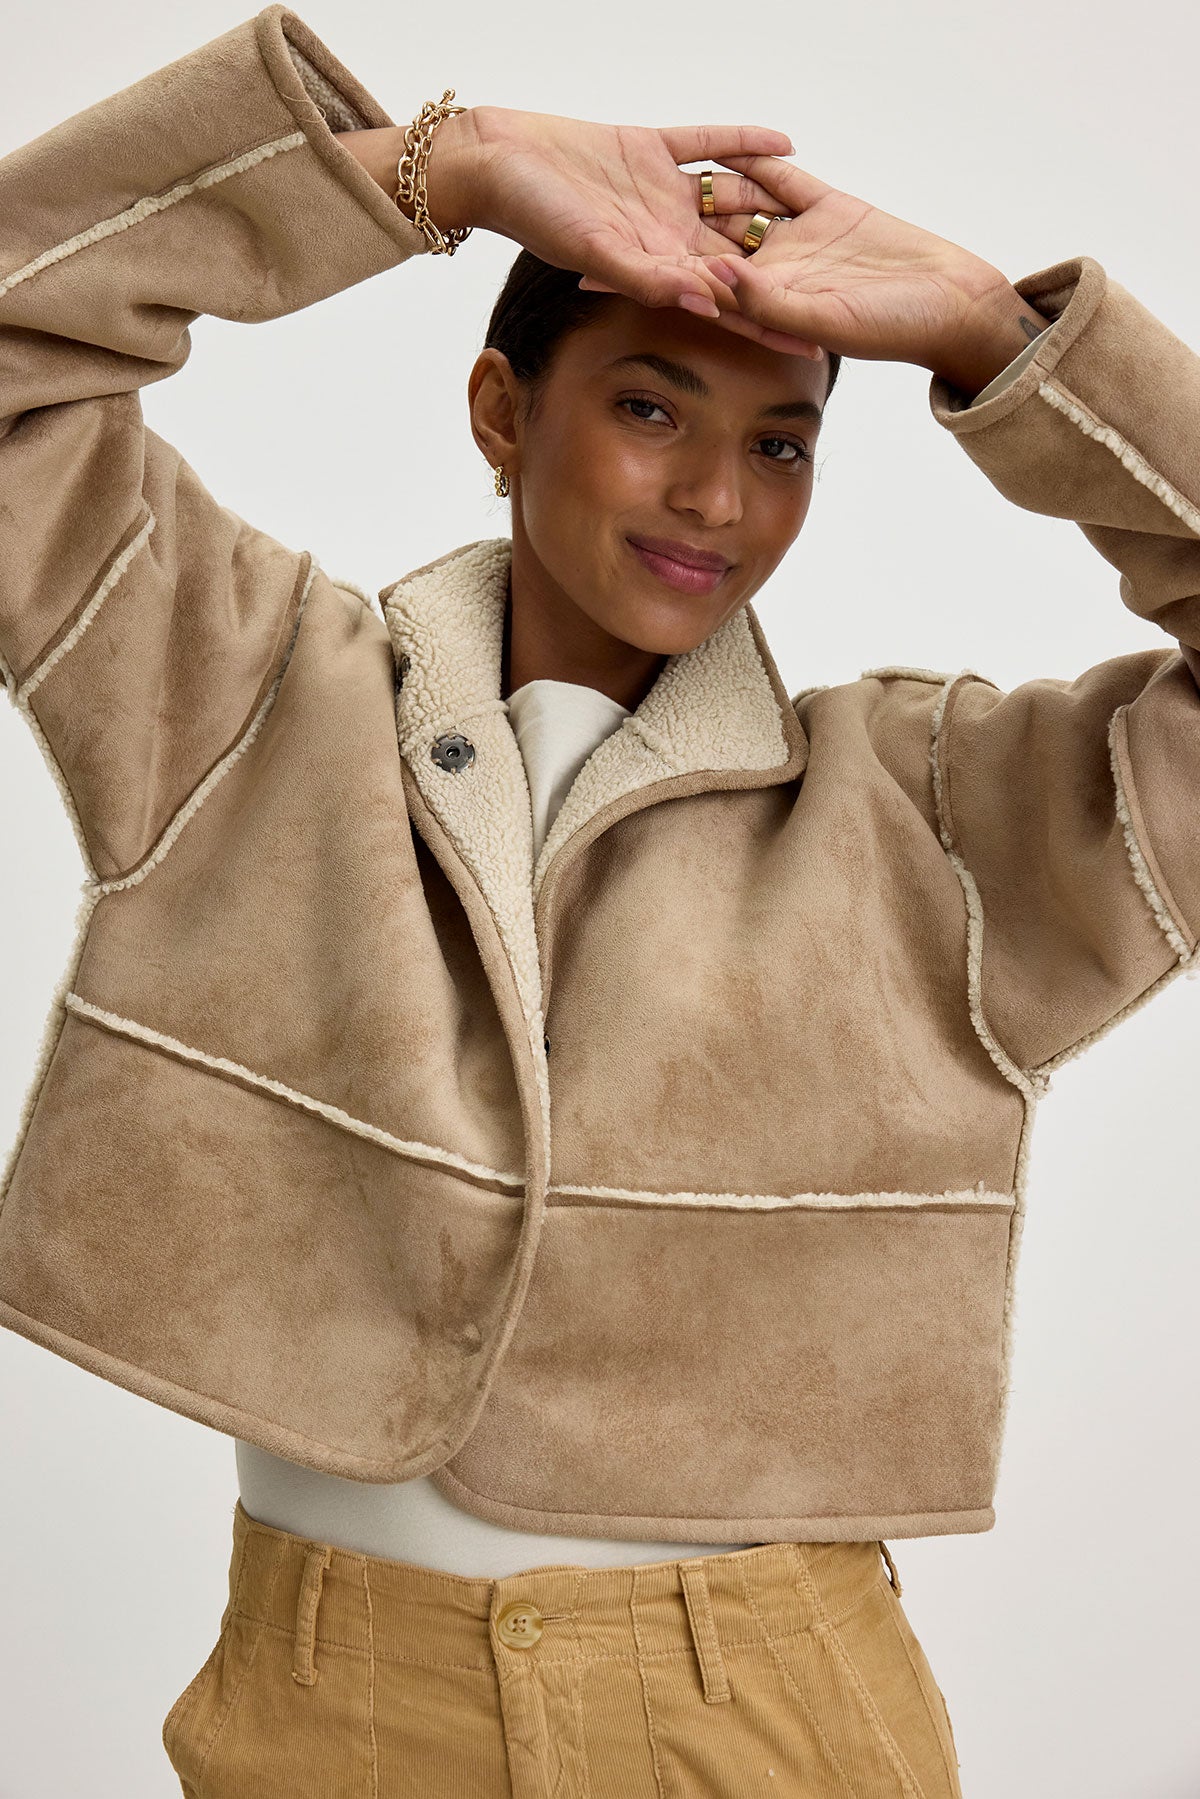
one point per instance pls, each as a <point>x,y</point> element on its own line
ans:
<point>776,450</point>
<point>641,408</point>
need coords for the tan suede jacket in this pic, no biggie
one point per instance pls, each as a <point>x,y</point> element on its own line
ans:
<point>670,1188</point>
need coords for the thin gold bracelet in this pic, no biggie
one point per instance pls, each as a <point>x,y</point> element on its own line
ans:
<point>411,172</point>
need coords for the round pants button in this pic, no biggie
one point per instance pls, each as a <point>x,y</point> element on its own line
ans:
<point>519,1625</point>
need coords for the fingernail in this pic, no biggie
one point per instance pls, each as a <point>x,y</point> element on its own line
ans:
<point>705,309</point>
<point>725,270</point>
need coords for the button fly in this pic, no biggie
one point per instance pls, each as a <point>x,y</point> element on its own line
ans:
<point>519,1625</point>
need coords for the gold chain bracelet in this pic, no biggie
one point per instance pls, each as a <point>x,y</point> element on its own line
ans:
<point>411,173</point>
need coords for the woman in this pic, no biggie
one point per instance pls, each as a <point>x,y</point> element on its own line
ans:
<point>559,1102</point>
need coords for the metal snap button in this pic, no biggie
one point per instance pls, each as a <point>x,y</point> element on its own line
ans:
<point>453,752</point>
<point>520,1625</point>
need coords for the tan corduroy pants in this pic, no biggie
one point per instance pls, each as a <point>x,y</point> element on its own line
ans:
<point>787,1669</point>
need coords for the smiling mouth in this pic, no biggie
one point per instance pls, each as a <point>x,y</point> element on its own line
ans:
<point>680,566</point>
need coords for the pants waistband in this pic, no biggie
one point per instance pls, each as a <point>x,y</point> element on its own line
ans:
<point>405,1612</point>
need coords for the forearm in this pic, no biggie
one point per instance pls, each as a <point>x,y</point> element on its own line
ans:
<point>450,176</point>
<point>996,325</point>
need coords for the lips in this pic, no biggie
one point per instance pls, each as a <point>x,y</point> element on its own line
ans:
<point>686,553</point>
<point>680,565</point>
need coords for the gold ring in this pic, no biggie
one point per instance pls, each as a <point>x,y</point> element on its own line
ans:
<point>756,230</point>
<point>708,203</point>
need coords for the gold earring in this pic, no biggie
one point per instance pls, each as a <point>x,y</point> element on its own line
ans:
<point>501,482</point>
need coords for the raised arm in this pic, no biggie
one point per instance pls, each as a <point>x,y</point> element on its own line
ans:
<point>140,620</point>
<point>1070,809</point>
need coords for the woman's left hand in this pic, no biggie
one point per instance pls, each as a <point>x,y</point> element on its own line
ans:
<point>860,282</point>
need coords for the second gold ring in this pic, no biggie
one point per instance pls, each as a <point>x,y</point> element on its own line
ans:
<point>708,200</point>
<point>756,230</point>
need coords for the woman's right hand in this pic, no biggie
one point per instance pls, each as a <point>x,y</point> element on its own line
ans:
<point>608,200</point>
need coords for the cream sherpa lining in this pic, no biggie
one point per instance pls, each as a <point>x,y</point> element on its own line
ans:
<point>712,707</point>
<point>449,621</point>
<point>332,105</point>
<point>358,1127</point>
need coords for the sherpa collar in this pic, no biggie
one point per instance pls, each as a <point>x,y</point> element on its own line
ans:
<point>720,708</point>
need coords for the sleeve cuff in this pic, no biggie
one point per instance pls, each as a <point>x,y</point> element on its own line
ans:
<point>1009,373</point>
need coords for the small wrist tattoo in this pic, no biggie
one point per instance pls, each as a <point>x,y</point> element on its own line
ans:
<point>1032,327</point>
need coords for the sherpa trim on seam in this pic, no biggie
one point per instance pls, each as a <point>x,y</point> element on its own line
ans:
<point>50,661</point>
<point>146,207</point>
<point>970,1198</point>
<point>188,810</point>
<point>357,1127</point>
<point>1163,915</point>
<point>975,920</point>
<point>1057,396</point>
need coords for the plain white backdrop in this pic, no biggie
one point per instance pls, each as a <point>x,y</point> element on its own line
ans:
<point>1064,1639</point>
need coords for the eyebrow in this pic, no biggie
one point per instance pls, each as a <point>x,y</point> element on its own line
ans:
<point>689,382</point>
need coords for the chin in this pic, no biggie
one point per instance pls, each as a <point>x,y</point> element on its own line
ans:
<point>672,627</point>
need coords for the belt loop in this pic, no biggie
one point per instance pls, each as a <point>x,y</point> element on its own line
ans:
<point>892,1574</point>
<point>304,1666</point>
<point>704,1631</point>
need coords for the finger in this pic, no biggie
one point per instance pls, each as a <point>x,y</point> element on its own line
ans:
<point>714,143</point>
<point>736,193</point>
<point>770,338</point>
<point>726,275</point>
<point>761,299</point>
<point>735,226</point>
<point>796,187</point>
<point>618,269</point>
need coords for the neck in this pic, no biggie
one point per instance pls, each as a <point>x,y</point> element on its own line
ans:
<point>547,637</point>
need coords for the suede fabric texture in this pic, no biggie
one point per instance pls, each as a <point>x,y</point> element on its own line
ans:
<point>670,1187</point>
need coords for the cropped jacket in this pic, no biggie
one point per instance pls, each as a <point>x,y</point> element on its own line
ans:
<point>670,1186</point>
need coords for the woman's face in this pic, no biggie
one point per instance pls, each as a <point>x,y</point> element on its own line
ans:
<point>662,473</point>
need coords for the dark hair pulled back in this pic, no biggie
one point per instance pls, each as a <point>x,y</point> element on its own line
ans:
<point>538,306</point>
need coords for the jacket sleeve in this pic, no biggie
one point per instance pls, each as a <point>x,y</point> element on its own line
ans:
<point>1071,809</point>
<point>142,623</point>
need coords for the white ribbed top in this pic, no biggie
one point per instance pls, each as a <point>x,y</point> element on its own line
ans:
<point>557,725</point>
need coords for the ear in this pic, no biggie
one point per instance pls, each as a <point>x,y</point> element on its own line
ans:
<point>494,395</point>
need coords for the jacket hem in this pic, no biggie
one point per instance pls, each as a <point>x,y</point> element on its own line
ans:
<point>222,1415</point>
<point>847,1527</point>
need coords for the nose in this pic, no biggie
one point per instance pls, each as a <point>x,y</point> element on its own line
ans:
<point>705,485</point>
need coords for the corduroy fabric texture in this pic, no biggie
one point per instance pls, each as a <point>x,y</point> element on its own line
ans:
<point>788,1668</point>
